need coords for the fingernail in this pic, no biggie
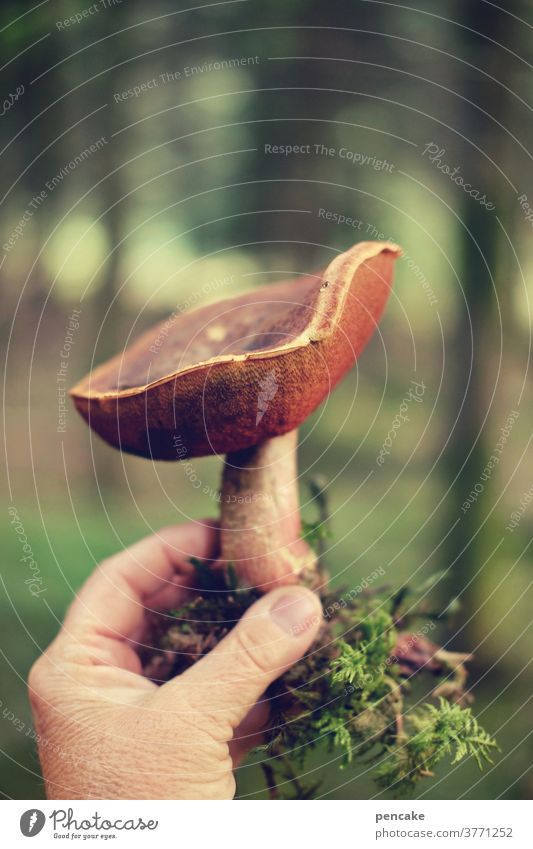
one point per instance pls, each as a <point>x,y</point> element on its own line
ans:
<point>295,612</point>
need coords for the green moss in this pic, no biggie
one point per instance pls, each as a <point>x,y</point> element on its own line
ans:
<point>445,730</point>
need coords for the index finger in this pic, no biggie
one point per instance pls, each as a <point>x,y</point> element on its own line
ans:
<point>111,603</point>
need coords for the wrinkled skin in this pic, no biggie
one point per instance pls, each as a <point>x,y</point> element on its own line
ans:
<point>107,732</point>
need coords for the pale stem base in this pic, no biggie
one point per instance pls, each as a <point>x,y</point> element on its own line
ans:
<point>260,515</point>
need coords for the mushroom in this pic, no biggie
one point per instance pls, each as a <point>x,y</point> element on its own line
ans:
<point>238,378</point>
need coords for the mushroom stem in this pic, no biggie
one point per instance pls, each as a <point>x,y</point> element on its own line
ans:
<point>260,517</point>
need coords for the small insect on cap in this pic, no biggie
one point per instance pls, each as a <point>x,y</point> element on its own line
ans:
<point>227,376</point>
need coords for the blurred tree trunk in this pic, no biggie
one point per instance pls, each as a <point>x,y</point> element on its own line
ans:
<point>107,319</point>
<point>476,340</point>
<point>298,91</point>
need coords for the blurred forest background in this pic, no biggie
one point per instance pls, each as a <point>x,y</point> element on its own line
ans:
<point>178,203</point>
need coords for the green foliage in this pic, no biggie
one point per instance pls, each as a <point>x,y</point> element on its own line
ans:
<point>439,731</point>
<point>351,667</point>
<point>315,533</point>
<point>340,735</point>
<point>365,664</point>
<point>318,532</point>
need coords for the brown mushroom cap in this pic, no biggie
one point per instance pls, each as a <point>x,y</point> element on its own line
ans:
<point>227,376</point>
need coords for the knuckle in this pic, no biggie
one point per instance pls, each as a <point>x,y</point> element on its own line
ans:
<point>107,565</point>
<point>165,532</point>
<point>38,678</point>
<point>44,678</point>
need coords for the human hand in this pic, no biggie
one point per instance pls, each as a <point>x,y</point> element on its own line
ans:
<point>107,732</point>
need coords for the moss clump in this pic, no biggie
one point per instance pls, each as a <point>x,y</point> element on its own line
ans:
<point>350,693</point>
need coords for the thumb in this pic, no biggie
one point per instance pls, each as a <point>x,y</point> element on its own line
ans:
<point>273,634</point>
